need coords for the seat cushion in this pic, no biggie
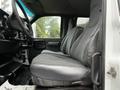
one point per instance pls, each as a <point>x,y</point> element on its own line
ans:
<point>58,68</point>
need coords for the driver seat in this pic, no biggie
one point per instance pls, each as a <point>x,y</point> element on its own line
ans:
<point>75,67</point>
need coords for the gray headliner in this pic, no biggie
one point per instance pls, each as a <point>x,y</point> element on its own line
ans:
<point>59,7</point>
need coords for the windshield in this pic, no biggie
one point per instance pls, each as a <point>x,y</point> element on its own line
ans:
<point>6,6</point>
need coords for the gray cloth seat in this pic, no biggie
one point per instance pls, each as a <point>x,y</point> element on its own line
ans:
<point>75,66</point>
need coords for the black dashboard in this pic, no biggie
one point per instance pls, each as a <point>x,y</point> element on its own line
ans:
<point>13,47</point>
<point>3,24</point>
<point>10,39</point>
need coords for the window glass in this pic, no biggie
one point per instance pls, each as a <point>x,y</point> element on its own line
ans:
<point>47,27</point>
<point>6,6</point>
<point>82,22</point>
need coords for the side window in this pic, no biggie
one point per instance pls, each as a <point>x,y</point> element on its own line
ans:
<point>82,22</point>
<point>47,27</point>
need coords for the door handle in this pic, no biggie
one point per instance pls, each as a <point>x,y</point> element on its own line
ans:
<point>95,75</point>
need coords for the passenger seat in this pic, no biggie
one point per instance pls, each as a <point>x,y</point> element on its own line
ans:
<point>75,67</point>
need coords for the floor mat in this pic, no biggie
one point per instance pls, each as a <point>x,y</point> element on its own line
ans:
<point>22,77</point>
<point>70,88</point>
<point>65,88</point>
<point>8,86</point>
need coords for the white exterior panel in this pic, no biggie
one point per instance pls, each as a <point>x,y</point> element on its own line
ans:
<point>112,47</point>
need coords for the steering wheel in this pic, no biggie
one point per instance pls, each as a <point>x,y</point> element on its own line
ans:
<point>25,28</point>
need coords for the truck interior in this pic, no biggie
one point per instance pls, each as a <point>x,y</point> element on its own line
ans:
<point>70,59</point>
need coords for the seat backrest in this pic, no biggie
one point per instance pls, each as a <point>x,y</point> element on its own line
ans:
<point>71,36</point>
<point>87,43</point>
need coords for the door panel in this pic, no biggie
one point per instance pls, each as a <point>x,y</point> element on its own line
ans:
<point>44,44</point>
<point>49,44</point>
<point>54,46</point>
